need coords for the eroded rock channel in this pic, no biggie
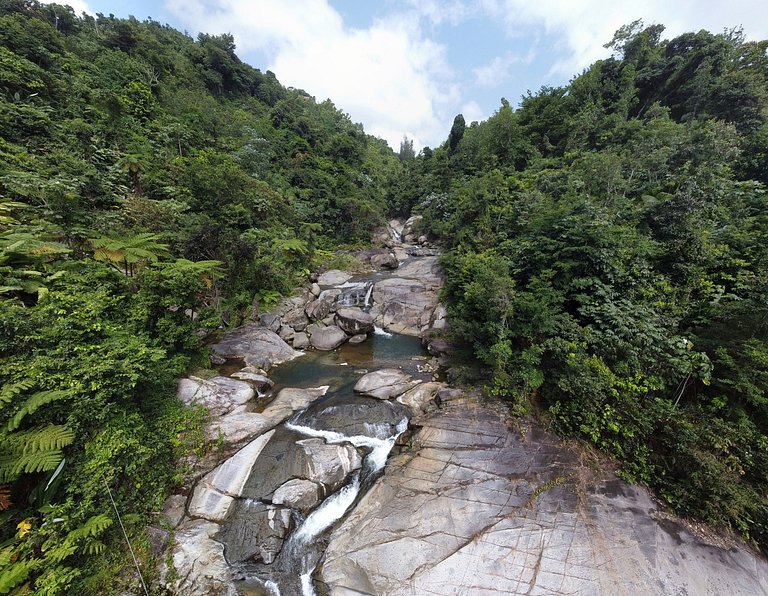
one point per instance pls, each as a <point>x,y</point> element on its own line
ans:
<point>351,469</point>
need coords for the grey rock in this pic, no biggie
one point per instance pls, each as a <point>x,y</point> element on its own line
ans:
<point>290,455</point>
<point>290,400</point>
<point>286,333</point>
<point>411,225</point>
<point>201,569</point>
<point>385,383</point>
<point>258,381</point>
<point>256,345</point>
<point>354,321</point>
<point>319,309</point>
<point>355,416</point>
<point>219,394</point>
<point>419,398</point>
<point>300,341</point>
<point>312,328</point>
<point>479,508</point>
<point>329,294</point>
<point>315,289</point>
<point>174,509</point>
<point>270,320</point>
<point>404,305</point>
<point>421,251</point>
<point>327,338</point>
<point>334,277</point>
<point>384,261</point>
<point>426,269</point>
<point>358,339</point>
<point>296,319</point>
<point>439,346</point>
<point>298,494</point>
<point>159,539</point>
<point>254,532</point>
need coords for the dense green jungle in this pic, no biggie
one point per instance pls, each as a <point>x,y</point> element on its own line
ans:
<point>605,251</point>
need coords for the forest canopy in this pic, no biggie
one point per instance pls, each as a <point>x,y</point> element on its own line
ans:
<point>153,188</point>
<point>607,262</point>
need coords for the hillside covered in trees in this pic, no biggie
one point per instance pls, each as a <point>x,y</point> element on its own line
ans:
<point>152,188</point>
<point>608,262</point>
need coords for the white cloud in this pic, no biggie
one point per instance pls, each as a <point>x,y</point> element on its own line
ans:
<point>388,76</point>
<point>583,26</point>
<point>79,6</point>
<point>472,112</point>
<point>497,70</point>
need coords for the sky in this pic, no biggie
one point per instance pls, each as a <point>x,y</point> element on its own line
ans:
<point>407,67</point>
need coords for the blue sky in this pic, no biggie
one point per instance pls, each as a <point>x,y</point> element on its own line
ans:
<point>407,67</point>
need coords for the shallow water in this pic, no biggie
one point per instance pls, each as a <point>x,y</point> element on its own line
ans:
<point>339,369</point>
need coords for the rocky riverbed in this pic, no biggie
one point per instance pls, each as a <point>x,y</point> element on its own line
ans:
<point>345,466</point>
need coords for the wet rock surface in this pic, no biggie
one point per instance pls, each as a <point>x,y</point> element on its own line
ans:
<point>477,507</point>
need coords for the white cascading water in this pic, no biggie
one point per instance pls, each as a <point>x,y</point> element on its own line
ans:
<point>368,296</point>
<point>380,331</point>
<point>335,506</point>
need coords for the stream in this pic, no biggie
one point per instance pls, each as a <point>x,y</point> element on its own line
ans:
<point>291,572</point>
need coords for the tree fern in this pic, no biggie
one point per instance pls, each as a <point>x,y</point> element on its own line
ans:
<point>34,450</point>
<point>32,404</point>
<point>9,390</point>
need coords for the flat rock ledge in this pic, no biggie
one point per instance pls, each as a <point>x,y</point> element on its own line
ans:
<point>478,507</point>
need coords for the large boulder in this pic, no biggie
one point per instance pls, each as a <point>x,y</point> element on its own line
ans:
<point>419,398</point>
<point>257,345</point>
<point>298,494</point>
<point>384,261</point>
<point>219,395</point>
<point>385,383</point>
<point>334,277</point>
<point>404,305</point>
<point>254,531</point>
<point>411,227</point>
<point>425,269</point>
<point>355,416</point>
<point>318,309</point>
<point>290,455</point>
<point>354,321</point>
<point>327,338</point>
<point>296,319</point>
<point>199,562</point>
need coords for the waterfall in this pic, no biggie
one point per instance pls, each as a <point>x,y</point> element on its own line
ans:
<point>380,331</point>
<point>335,506</point>
<point>367,302</point>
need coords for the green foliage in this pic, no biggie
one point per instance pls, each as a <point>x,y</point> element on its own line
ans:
<point>152,188</point>
<point>606,262</point>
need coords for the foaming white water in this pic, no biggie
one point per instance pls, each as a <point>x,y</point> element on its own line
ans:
<point>380,448</point>
<point>331,510</point>
<point>380,331</point>
<point>272,588</point>
<point>352,284</point>
<point>368,296</point>
<point>307,589</point>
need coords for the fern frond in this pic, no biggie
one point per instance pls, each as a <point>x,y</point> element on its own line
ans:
<point>94,548</point>
<point>16,574</point>
<point>28,463</point>
<point>35,450</point>
<point>92,528</point>
<point>54,436</point>
<point>35,401</point>
<point>10,389</point>
<point>61,552</point>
